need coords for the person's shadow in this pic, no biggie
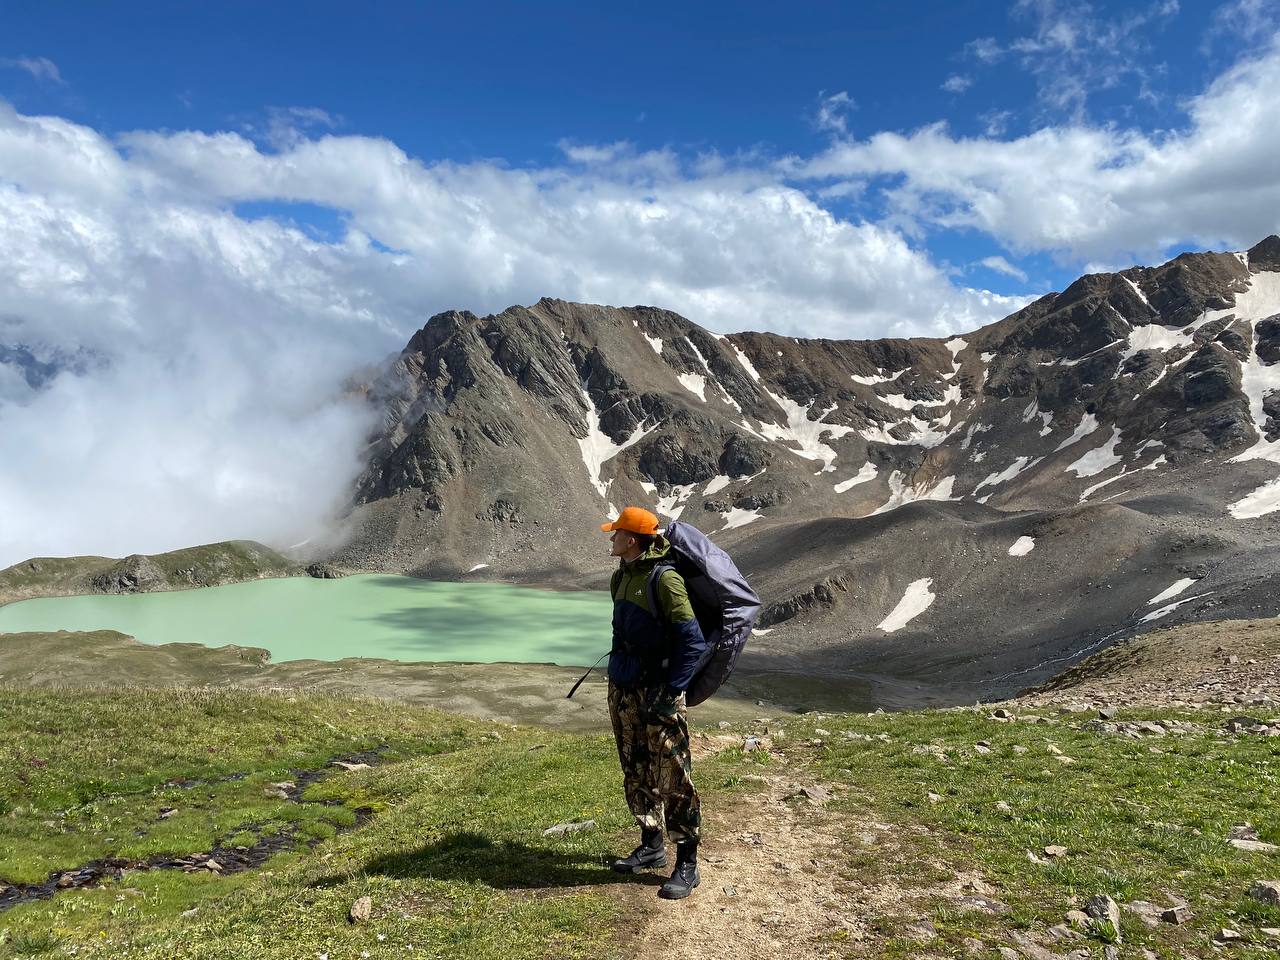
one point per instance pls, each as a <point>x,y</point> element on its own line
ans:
<point>501,865</point>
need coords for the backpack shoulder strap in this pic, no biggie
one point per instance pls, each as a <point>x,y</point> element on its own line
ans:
<point>654,576</point>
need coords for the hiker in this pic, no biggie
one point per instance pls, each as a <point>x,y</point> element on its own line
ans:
<point>651,664</point>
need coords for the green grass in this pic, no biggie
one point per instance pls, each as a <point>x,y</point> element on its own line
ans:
<point>1137,824</point>
<point>455,860</point>
<point>213,563</point>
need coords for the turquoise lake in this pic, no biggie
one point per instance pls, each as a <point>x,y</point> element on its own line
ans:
<point>370,615</point>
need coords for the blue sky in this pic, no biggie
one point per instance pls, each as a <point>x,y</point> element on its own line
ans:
<point>512,81</point>
<point>212,214</point>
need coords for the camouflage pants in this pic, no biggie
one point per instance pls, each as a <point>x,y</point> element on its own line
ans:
<point>657,772</point>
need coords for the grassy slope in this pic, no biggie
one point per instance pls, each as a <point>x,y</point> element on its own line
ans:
<point>457,866</point>
<point>206,565</point>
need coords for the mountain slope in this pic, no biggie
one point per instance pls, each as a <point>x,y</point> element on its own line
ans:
<point>971,511</point>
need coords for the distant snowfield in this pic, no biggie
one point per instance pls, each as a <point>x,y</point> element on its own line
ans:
<point>914,602</point>
<point>1022,546</point>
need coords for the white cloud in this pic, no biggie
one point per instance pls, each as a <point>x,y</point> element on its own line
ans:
<point>210,348</point>
<point>957,83</point>
<point>1243,23</point>
<point>42,68</point>
<point>1090,192</point>
<point>832,111</point>
<point>1001,265</point>
<point>1073,52</point>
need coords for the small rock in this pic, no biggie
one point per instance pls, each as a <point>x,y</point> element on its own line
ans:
<point>1019,748</point>
<point>1178,913</point>
<point>1054,749</point>
<point>815,794</point>
<point>819,732</point>
<point>1243,831</point>
<point>982,747</point>
<point>1063,932</point>
<point>1065,759</point>
<point>924,931</point>
<point>1008,953</point>
<point>1054,850</point>
<point>1146,911</point>
<point>349,766</point>
<point>1268,891</point>
<point>1003,807</point>
<point>1271,933</point>
<point>1077,918</point>
<point>561,829</point>
<point>213,865</point>
<point>361,910</point>
<point>1001,713</point>
<point>730,890</point>
<point>167,812</point>
<point>724,725</point>
<point>934,797</point>
<point>1254,846</point>
<point>1226,935</point>
<point>190,913</point>
<point>1107,713</point>
<point>752,744</point>
<point>973,946</point>
<point>1030,948</point>
<point>1110,952</point>
<point>1102,908</point>
<point>987,905</point>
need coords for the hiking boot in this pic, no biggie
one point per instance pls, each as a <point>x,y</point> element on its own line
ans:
<point>650,853</point>
<point>685,876</point>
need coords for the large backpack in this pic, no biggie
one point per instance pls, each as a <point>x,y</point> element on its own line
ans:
<point>722,600</point>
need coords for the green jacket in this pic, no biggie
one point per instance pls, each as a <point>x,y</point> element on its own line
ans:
<point>653,649</point>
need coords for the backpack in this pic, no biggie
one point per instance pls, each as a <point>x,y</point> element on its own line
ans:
<point>722,600</point>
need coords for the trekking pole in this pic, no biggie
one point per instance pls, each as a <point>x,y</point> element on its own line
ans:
<point>574,688</point>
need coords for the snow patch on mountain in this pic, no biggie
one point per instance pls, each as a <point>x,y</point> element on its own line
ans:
<point>1022,546</point>
<point>1088,424</point>
<point>715,485</point>
<point>1166,610</point>
<point>868,472</point>
<point>1098,459</point>
<point>1173,591</point>
<point>673,504</point>
<point>915,601</point>
<point>1153,465</point>
<point>736,517</point>
<point>900,493</point>
<point>1018,466</point>
<point>695,384</point>
<point>805,434</point>
<point>881,377</point>
<point>598,447</point>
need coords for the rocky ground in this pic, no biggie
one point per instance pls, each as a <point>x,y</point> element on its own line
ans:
<point>1220,662</point>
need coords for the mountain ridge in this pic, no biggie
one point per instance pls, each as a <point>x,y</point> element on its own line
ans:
<point>505,438</point>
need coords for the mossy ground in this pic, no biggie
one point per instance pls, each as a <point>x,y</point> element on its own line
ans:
<point>456,863</point>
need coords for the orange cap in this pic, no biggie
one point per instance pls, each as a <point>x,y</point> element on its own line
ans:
<point>634,520</point>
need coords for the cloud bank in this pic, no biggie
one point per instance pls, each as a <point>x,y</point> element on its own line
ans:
<point>179,310</point>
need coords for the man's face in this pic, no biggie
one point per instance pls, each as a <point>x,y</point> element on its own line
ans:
<point>622,543</point>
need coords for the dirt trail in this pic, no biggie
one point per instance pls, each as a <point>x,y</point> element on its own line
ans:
<point>776,883</point>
